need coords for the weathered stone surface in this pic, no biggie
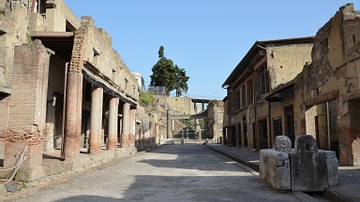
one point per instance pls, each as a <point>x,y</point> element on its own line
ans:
<point>304,169</point>
<point>282,143</point>
<point>30,174</point>
<point>53,169</point>
<point>308,166</point>
<point>275,169</point>
<point>332,167</point>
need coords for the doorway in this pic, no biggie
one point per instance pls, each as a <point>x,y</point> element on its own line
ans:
<point>289,124</point>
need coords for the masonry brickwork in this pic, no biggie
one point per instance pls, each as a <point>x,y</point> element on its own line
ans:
<point>27,106</point>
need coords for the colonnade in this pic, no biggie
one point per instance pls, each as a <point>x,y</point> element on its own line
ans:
<point>73,120</point>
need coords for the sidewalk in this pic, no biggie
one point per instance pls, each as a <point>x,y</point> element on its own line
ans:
<point>348,188</point>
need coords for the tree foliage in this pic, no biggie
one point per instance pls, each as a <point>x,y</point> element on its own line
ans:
<point>165,73</point>
<point>181,81</point>
<point>146,98</point>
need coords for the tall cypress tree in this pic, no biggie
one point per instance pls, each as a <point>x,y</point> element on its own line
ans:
<point>168,75</point>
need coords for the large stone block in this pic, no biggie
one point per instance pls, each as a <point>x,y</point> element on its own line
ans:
<point>303,169</point>
<point>332,167</point>
<point>275,169</point>
<point>275,164</point>
<point>308,166</point>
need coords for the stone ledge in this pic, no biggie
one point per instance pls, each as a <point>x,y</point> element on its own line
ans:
<point>4,29</point>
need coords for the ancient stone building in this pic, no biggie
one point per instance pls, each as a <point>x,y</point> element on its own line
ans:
<point>322,100</point>
<point>62,88</point>
<point>249,118</point>
<point>328,88</point>
<point>214,122</point>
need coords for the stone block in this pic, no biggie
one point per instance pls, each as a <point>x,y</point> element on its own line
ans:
<point>308,166</point>
<point>275,169</point>
<point>332,167</point>
<point>30,174</point>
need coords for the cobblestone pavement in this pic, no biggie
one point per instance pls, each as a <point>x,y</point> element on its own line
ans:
<point>189,172</point>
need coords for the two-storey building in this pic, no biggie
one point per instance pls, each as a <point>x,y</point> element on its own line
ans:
<point>249,120</point>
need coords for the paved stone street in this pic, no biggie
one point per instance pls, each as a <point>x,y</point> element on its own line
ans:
<point>189,172</point>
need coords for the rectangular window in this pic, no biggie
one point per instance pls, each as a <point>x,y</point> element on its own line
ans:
<point>264,83</point>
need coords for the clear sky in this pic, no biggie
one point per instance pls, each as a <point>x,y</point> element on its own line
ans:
<point>207,38</point>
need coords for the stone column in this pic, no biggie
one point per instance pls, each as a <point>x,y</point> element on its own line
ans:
<point>73,115</point>
<point>95,121</point>
<point>113,120</point>
<point>126,126</point>
<point>132,128</point>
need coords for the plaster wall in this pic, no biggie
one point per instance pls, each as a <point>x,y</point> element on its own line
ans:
<point>289,61</point>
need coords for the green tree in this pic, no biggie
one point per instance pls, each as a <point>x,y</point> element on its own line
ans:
<point>181,85</point>
<point>146,98</point>
<point>168,75</point>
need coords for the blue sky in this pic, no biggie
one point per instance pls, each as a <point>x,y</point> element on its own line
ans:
<point>207,38</point>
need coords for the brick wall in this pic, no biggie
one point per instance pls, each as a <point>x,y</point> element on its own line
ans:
<point>30,74</point>
<point>27,102</point>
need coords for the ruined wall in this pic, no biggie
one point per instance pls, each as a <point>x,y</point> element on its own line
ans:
<point>183,104</point>
<point>215,120</point>
<point>97,49</point>
<point>13,32</point>
<point>28,103</point>
<point>57,16</point>
<point>37,22</point>
<point>334,75</point>
<point>28,99</point>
